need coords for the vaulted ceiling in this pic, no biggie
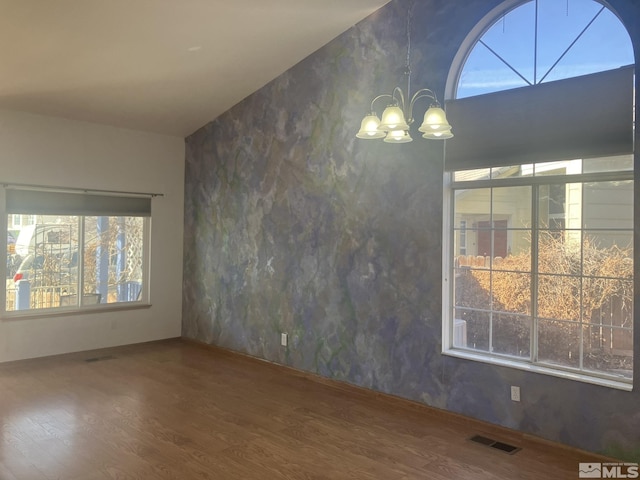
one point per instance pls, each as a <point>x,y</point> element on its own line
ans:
<point>166,66</point>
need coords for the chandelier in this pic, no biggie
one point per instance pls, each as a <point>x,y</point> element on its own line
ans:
<point>397,117</point>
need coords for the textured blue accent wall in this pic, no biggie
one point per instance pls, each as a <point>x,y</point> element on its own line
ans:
<point>293,225</point>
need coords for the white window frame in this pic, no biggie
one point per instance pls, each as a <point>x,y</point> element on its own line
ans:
<point>448,323</point>
<point>451,89</point>
<point>79,308</point>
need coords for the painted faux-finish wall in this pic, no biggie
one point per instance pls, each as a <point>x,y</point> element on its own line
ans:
<point>52,151</point>
<point>292,225</point>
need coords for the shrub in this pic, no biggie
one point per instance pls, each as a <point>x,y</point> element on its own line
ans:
<point>593,284</point>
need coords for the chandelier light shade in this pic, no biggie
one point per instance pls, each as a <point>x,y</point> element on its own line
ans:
<point>435,124</point>
<point>393,119</point>
<point>398,136</point>
<point>369,128</point>
<point>442,135</point>
<point>397,117</point>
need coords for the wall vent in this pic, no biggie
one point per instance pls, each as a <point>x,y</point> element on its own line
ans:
<point>490,442</point>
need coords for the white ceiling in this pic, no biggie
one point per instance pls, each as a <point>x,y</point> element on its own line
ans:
<point>166,66</point>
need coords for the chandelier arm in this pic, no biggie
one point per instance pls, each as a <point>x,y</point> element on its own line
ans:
<point>422,93</point>
<point>384,95</point>
<point>398,90</point>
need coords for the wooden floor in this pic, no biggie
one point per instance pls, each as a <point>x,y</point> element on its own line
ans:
<point>176,410</point>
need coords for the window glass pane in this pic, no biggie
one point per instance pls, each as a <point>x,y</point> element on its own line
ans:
<point>608,254</point>
<point>460,329</point>
<point>470,175</point>
<point>608,164</point>
<point>608,302</point>
<point>603,46</point>
<point>475,324</point>
<point>608,341</point>
<point>561,24</point>
<point>559,342</point>
<point>560,206</point>
<point>608,338</point>
<point>473,207</point>
<point>45,264</point>
<point>472,287</point>
<point>511,292</point>
<point>518,252</point>
<point>564,167</point>
<point>511,335</point>
<point>609,350</point>
<point>508,247</point>
<point>460,239</point>
<point>485,73</point>
<point>559,297</point>
<point>113,259</point>
<point>608,204</point>
<point>512,171</point>
<point>511,209</point>
<point>512,37</point>
<point>559,252</point>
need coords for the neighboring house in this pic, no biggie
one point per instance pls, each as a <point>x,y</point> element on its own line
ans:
<point>563,208</point>
<point>15,222</point>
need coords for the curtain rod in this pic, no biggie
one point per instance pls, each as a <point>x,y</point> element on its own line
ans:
<point>28,186</point>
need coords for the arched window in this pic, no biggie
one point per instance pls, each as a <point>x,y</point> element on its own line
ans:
<point>541,41</point>
<point>538,207</point>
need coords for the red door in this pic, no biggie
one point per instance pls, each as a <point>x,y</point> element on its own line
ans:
<point>499,234</point>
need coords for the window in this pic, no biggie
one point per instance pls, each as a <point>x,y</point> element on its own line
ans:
<point>462,238</point>
<point>541,41</point>
<point>548,274</point>
<point>84,250</point>
<point>539,193</point>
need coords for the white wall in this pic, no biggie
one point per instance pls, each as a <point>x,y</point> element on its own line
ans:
<point>58,152</point>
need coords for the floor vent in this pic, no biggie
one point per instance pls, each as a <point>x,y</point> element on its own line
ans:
<point>99,359</point>
<point>489,442</point>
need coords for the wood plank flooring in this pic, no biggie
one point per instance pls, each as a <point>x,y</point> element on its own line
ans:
<point>177,410</point>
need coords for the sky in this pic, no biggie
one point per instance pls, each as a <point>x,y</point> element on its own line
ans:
<point>604,45</point>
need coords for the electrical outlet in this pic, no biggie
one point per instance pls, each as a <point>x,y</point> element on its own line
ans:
<point>515,393</point>
<point>284,338</point>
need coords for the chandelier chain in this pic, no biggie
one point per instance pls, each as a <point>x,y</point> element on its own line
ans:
<point>409,15</point>
<point>408,64</point>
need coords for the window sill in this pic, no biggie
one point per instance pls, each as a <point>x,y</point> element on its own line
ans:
<point>65,312</point>
<point>568,375</point>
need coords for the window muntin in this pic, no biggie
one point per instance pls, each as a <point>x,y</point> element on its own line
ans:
<point>548,275</point>
<point>102,253</point>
